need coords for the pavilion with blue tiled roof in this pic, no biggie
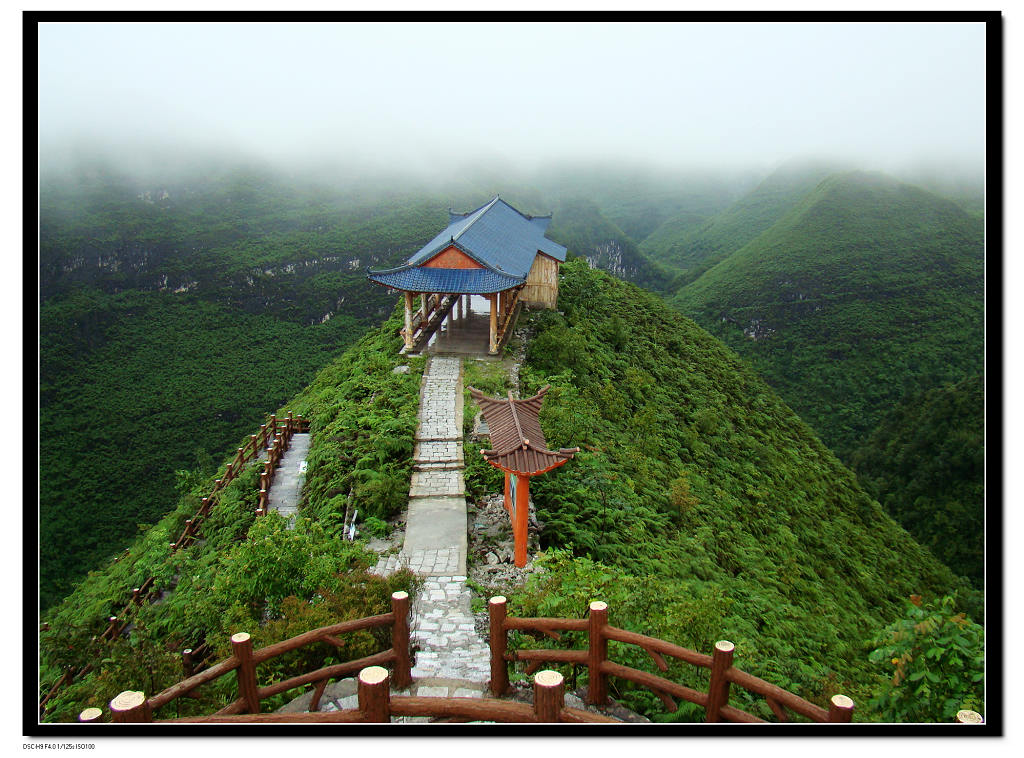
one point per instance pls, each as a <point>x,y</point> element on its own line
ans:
<point>495,251</point>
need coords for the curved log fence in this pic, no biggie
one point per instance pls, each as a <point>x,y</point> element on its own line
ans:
<point>376,703</point>
<point>595,657</point>
<point>273,438</point>
<point>134,707</point>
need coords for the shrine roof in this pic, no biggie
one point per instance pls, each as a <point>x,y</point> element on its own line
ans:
<point>472,281</point>
<point>517,440</point>
<point>496,235</point>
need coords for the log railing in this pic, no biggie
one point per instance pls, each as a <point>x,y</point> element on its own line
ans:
<point>510,312</point>
<point>274,438</point>
<point>432,311</point>
<point>595,657</point>
<point>134,707</point>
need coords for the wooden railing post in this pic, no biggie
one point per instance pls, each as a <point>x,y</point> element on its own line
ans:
<point>597,689</point>
<point>400,639</point>
<point>186,662</point>
<point>241,645</point>
<point>718,689</point>
<point>840,709</point>
<point>90,715</point>
<point>969,717</point>
<point>130,707</point>
<point>548,696</point>
<point>375,694</point>
<point>497,611</point>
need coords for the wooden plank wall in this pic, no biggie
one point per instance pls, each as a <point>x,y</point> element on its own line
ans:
<point>541,288</point>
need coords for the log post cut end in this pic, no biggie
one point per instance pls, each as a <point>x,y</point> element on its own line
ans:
<point>548,696</point>
<point>129,707</point>
<point>718,685</point>
<point>90,715</point>
<point>597,684</point>
<point>400,638</point>
<point>375,694</point>
<point>969,717</point>
<point>497,612</point>
<point>840,709</point>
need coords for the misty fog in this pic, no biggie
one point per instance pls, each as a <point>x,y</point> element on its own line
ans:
<point>436,99</point>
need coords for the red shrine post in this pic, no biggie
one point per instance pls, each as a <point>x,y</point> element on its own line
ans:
<point>518,449</point>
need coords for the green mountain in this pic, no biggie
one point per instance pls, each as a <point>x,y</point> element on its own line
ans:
<point>925,462</point>
<point>684,246</point>
<point>586,233</point>
<point>175,309</point>
<point>700,495</point>
<point>865,291</point>
<point>639,200</point>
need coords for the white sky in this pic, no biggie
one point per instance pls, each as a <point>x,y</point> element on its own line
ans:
<point>669,92</point>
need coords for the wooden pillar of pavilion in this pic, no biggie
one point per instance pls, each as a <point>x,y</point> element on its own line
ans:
<point>493,344</point>
<point>518,449</point>
<point>407,334</point>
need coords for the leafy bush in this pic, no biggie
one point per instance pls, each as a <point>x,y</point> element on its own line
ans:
<point>937,659</point>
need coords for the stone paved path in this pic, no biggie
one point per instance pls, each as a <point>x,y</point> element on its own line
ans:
<point>451,658</point>
<point>286,489</point>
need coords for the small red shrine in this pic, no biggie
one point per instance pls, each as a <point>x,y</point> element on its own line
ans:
<point>518,449</point>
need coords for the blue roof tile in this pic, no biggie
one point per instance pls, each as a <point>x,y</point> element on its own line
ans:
<point>476,281</point>
<point>498,236</point>
<point>495,235</point>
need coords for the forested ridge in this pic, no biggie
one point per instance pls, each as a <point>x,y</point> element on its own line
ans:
<point>867,290</point>
<point>249,573</point>
<point>701,507</point>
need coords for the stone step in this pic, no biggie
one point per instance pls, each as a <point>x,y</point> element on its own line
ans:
<point>455,465</point>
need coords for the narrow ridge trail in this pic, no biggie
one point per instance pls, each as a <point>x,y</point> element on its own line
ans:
<point>452,659</point>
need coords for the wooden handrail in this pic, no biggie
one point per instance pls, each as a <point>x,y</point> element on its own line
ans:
<point>316,635</point>
<point>779,695</point>
<point>595,657</point>
<point>659,646</point>
<point>244,661</point>
<point>328,672</point>
<point>376,704</point>
<point>286,427</point>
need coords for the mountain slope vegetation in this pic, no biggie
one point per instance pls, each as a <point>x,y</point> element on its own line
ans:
<point>700,505</point>
<point>925,462</point>
<point>175,309</point>
<point>586,233</point>
<point>249,573</point>
<point>681,245</point>
<point>867,290</point>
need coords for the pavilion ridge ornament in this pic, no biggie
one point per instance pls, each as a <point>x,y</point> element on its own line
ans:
<point>494,251</point>
<point>518,449</point>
